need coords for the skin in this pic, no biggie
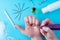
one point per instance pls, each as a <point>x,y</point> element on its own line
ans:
<point>33,30</point>
<point>47,32</point>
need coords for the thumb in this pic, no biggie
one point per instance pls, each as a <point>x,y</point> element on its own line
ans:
<point>19,27</point>
<point>45,30</point>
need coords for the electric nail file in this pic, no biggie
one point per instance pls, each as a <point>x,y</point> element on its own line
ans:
<point>53,26</point>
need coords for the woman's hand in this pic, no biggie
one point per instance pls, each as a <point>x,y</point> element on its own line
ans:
<point>32,28</point>
<point>47,32</point>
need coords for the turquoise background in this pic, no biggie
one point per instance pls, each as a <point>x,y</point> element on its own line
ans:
<point>10,4</point>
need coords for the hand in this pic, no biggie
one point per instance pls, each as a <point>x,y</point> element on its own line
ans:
<point>32,28</point>
<point>47,32</point>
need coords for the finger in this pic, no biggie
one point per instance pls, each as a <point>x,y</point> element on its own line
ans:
<point>34,20</point>
<point>46,22</point>
<point>26,21</point>
<point>47,29</point>
<point>37,23</point>
<point>22,30</point>
<point>30,19</point>
<point>42,32</point>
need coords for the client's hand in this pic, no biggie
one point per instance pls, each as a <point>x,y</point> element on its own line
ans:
<point>32,28</point>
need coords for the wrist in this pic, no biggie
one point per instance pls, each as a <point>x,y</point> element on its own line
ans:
<point>36,38</point>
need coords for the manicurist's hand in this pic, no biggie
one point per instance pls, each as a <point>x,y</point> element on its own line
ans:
<point>46,31</point>
<point>32,28</point>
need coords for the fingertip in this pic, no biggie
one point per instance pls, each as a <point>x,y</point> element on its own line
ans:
<point>26,20</point>
<point>20,29</point>
<point>34,20</point>
<point>46,29</point>
<point>16,26</point>
<point>43,23</point>
<point>30,19</point>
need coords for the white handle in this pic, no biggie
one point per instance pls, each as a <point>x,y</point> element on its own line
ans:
<point>6,14</point>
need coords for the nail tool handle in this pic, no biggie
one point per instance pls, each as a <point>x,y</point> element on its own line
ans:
<point>53,26</point>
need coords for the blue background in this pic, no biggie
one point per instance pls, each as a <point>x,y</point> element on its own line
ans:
<point>10,4</point>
